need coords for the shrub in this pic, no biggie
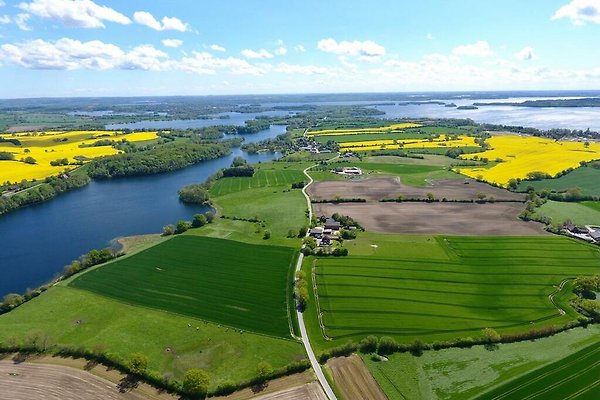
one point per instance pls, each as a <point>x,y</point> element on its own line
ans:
<point>182,226</point>
<point>267,235</point>
<point>369,344</point>
<point>387,345</point>
<point>196,382</point>
<point>168,230</point>
<point>138,363</point>
<point>199,220</point>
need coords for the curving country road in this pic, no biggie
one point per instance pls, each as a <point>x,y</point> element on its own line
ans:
<point>311,354</point>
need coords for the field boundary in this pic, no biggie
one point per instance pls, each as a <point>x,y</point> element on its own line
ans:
<point>313,272</point>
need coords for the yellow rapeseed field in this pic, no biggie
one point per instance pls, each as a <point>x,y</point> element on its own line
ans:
<point>389,144</point>
<point>521,155</point>
<point>334,132</point>
<point>51,146</point>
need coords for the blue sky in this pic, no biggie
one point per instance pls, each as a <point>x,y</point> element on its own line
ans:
<point>176,47</point>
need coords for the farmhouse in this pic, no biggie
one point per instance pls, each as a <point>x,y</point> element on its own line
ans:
<point>316,232</point>
<point>332,224</point>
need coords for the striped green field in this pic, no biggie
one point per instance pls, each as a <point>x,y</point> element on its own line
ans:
<point>587,213</point>
<point>262,178</point>
<point>231,283</point>
<point>371,136</point>
<point>574,377</point>
<point>497,282</point>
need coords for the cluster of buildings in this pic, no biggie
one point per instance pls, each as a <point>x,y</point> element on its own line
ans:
<point>588,233</point>
<point>348,171</point>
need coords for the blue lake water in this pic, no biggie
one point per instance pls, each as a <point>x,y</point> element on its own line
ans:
<point>37,241</point>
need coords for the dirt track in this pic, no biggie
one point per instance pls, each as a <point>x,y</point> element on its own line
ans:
<point>353,379</point>
<point>437,218</point>
<point>378,188</point>
<point>29,381</point>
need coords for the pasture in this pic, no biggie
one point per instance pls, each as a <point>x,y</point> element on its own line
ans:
<point>266,196</point>
<point>463,374</point>
<point>575,376</point>
<point>586,179</point>
<point>579,213</point>
<point>411,174</point>
<point>521,155</point>
<point>226,282</point>
<point>265,176</point>
<point>45,147</point>
<point>451,287</point>
<point>173,343</point>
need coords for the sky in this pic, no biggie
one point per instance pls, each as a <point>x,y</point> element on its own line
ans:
<point>63,48</point>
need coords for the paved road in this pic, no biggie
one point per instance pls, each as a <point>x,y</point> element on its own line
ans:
<point>311,354</point>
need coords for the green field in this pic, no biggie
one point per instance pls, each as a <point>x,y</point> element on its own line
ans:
<point>363,137</point>
<point>223,281</point>
<point>73,317</point>
<point>587,179</point>
<point>461,374</point>
<point>594,205</point>
<point>575,376</point>
<point>410,174</point>
<point>579,213</point>
<point>264,177</point>
<point>437,288</point>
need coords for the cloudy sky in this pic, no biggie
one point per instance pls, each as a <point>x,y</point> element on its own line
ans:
<point>197,47</point>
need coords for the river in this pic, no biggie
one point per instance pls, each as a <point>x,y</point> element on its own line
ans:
<point>37,241</point>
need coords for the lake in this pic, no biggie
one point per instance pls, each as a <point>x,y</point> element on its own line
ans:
<point>38,241</point>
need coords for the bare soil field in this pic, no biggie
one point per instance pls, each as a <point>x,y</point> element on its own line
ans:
<point>378,188</point>
<point>353,379</point>
<point>437,218</point>
<point>293,387</point>
<point>27,381</point>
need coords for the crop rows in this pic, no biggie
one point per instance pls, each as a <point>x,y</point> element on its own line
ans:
<point>227,282</point>
<point>574,377</point>
<point>501,283</point>
<point>261,178</point>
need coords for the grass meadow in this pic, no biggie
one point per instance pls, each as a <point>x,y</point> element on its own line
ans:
<point>579,213</point>
<point>575,376</point>
<point>437,288</point>
<point>222,281</point>
<point>172,342</point>
<point>586,179</point>
<point>411,174</point>
<point>462,374</point>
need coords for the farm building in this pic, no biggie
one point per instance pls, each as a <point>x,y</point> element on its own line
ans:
<point>332,224</point>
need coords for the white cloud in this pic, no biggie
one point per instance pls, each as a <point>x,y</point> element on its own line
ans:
<point>168,23</point>
<point>429,36</point>
<point>260,54</point>
<point>4,19</point>
<point>172,43</point>
<point>2,3</point>
<point>21,21</point>
<point>301,69</point>
<point>206,63</point>
<point>280,51</point>
<point>580,12</point>
<point>70,54</point>
<point>299,48</point>
<point>526,54</point>
<point>479,49</point>
<point>79,13</point>
<point>216,47</point>
<point>367,50</point>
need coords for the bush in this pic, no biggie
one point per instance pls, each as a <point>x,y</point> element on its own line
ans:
<point>369,344</point>
<point>168,230</point>
<point>199,220</point>
<point>210,216</point>
<point>196,382</point>
<point>182,226</point>
<point>267,235</point>
<point>138,363</point>
<point>387,345</point>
